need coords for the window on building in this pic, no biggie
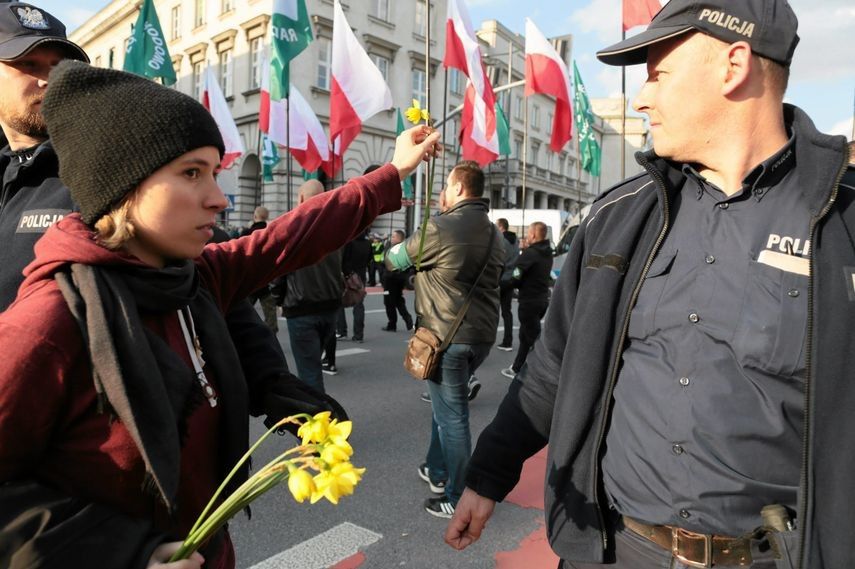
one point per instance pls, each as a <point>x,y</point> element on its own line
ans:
<point>421,18</point>
<point>324,63</point>
<point>535,153</point>
<point>420,86</point>
<point>227,83</point>
<point>111,58</point>
<point>256,49</point>
<point>456,81</point>
<point>548,120</point>
<point>199,13</point>
<point>382,64</point>
<point>535,117</point>
<point>175,19</point>
<point>198,78</point>
<point>518,149</point>
<point>381,10</point>
<point>226,6</point>
<point>98,61</point>
<point>518,108</point>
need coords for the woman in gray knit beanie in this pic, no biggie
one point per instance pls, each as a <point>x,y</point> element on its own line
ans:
<point>124,404</point>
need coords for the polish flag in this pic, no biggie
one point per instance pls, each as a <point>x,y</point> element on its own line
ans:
<point>308,143</point>
<point>639,12</point>
<point>479,138</point>
<point>358,90</point>
<point>215,102</point>
<point>546,73</point>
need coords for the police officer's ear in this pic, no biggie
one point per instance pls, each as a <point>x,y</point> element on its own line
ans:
<point>741,73</point>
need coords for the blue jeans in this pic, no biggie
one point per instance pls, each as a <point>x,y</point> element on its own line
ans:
<point>450,440</point>
<point>308,335</point>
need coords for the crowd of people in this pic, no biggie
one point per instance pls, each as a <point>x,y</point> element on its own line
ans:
<point>691,376</point>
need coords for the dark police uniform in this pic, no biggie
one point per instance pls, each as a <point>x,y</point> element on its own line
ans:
<point>720,322</point>
<point>32,198</point>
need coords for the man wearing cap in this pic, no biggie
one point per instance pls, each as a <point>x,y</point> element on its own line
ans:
<point>32,197</point>
<point>693,381</point>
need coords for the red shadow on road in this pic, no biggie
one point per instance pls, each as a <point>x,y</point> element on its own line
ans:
<point>351,562</point>
<point>534,551</point>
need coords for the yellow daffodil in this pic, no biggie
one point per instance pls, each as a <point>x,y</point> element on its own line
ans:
<point>315,429</point>
<point>416,113</point>
<point>336,482</point>
<point>338,432</point>
<point>301,484</point>
<point>334,453</point>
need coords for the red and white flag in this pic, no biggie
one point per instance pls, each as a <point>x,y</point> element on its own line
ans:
<point>215,102</point>
<point>358,90</point>
<point>308,142</point>
<point>545,72</point>
<point>479,138</point>
<point>639,12</point>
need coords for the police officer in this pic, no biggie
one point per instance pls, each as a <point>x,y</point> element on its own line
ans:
<point>696,364</point>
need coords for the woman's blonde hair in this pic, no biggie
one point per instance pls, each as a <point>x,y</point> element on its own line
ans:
<point>115,227</point>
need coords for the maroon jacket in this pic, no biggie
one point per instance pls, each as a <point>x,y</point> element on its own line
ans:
<point>50,430</point>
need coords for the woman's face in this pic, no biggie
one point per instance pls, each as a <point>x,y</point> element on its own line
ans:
<point>174,209</point>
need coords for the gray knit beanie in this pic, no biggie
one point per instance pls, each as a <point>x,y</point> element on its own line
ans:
<point>111,130</point>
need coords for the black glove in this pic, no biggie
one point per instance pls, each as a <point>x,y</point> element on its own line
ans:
<point>288,395</point>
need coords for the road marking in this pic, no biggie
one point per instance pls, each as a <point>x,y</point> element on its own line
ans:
<point>324,550</point>
<point>350,352</point>
<point>377,311</point>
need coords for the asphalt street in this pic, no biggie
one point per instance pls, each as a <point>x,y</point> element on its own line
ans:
<point>383,524</point>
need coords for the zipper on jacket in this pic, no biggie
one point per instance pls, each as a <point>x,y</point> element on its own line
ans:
<point>613,379</point>
<point>802,514</point>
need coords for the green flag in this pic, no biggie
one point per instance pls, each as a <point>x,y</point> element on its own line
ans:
<point>269,157</point>
<point>584,117</point>
<point>147,54</point>
<point>292,33</point>
<point>310,175</point>
<point>407,186</point>
<point>503,131</point>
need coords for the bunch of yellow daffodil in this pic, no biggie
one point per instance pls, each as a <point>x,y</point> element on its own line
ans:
<point>318,468</point>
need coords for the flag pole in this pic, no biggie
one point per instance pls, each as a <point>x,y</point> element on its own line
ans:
<point>623,115</point>
<point>288,142</point>
<point>260,154</point>
<point>525,155</point>
<point>507,114</point>
<point>444,107</point>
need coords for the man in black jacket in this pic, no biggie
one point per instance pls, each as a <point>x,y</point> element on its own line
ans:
<point>310,304</point>
<point>694,373</point>
<point>531,275</point>
<point>506,285</point>
<point>263,296</point>
<point>394,283</point>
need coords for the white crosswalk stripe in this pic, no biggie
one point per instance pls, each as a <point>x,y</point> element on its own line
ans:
<point>324,550</point>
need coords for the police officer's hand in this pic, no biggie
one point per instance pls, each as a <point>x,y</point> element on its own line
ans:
<point>290,396</point>
<point>470,518</point>
<point>414,145</point>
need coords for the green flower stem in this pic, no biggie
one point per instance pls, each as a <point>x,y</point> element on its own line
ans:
<point>191,543</point>
<point>426,215</point>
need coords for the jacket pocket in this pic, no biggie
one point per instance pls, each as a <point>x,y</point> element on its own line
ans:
<point>771,333</point>
<point>642,322</point>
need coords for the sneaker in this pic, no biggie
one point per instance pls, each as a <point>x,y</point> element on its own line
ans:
<point>341,336</point>
<point>439,507</point>
<point>389,328</point>
<point>357,339</point>
<point>509,372</point>
<point>329,368</point>
<point>425,397</point>
<point>436,488</point>
<point>505,347</point>
<point>474,387</point>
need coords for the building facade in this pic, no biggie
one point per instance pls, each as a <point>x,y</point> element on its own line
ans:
<point>232,37</point>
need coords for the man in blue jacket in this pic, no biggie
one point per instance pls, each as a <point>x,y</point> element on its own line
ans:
<point>694,379</point>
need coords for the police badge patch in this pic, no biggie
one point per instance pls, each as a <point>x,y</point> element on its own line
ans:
<point>32,18</point>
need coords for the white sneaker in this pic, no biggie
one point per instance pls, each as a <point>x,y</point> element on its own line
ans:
<point>509,372</point>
